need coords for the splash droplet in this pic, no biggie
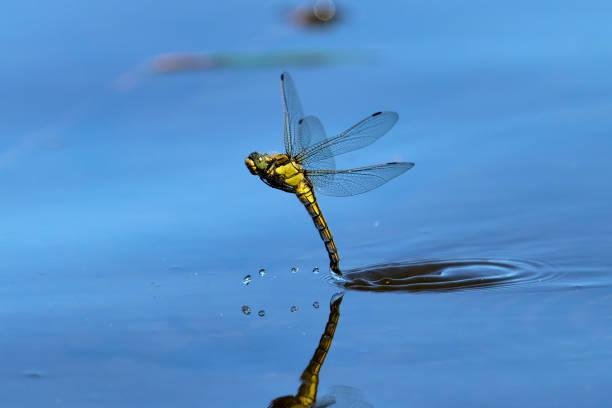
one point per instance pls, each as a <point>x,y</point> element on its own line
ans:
<point>295,269</point>
<point>246,280</point>
<point>262,272</point>
<point>294,309</point>
<point>315,305</point>
<point>315,269</point>
<point>246,310</point>
<point>261,313</point>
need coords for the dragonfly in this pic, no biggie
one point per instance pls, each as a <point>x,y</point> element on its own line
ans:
<point>307,167</point>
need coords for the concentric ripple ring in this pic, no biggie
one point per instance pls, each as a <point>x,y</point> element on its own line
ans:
<point>444,275</point>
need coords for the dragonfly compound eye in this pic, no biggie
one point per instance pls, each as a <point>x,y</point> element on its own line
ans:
<point>250,163</point>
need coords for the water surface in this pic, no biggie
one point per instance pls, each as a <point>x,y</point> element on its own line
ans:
<point>129,220</point>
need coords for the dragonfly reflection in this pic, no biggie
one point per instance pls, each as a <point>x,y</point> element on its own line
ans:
<point>306,396</point>
<point>308,162</point>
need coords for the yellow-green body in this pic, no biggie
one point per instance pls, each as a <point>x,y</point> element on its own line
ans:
<point>281,172</point>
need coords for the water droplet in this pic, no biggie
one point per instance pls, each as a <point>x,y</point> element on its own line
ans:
<point>315,305</point>
<point>294,309</point>
<point>262,272</point>
<point>261,313</point>
<point>295,269</point>
<point>246,310</point>
<point>246,280</point>
<point>315,269</point>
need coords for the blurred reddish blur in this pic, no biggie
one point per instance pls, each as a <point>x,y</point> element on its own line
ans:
<point>178,62</point>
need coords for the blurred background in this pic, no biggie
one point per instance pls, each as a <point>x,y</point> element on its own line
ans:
<point>129,220</point>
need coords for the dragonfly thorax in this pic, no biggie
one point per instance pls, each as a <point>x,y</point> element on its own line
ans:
<point>277,170</point>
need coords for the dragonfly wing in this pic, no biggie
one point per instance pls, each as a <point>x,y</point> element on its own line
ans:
<point>343,183</point>
<point>311,132</point>
<point>361,134</point>
<point>292,113</point>
<point>345,397</point>
<point>325,401</point>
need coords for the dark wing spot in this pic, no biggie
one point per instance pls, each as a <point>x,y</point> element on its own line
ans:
<point>376,114</point>
<point>300,121</point>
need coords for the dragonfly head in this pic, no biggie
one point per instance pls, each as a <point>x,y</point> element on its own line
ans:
<point>256,163</point>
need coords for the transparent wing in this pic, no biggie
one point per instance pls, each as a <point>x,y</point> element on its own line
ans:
<point>361,134</point>
<point>342,183</point>
<point>311,132</point>
<point>325,401</point>
<point>292,113</point>
<point>344,397</point>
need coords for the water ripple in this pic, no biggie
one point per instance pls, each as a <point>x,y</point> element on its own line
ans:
<point>445,275</point>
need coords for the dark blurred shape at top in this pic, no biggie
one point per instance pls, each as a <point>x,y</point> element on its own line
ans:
<point>176,62</point>
<point>186,62</point>
<point>321,13</point>
<point>173,63</point>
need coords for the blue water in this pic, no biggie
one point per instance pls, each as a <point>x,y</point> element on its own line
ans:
<point>129,218</point>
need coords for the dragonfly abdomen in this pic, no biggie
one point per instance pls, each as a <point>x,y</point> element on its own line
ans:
<point>307,197</point>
